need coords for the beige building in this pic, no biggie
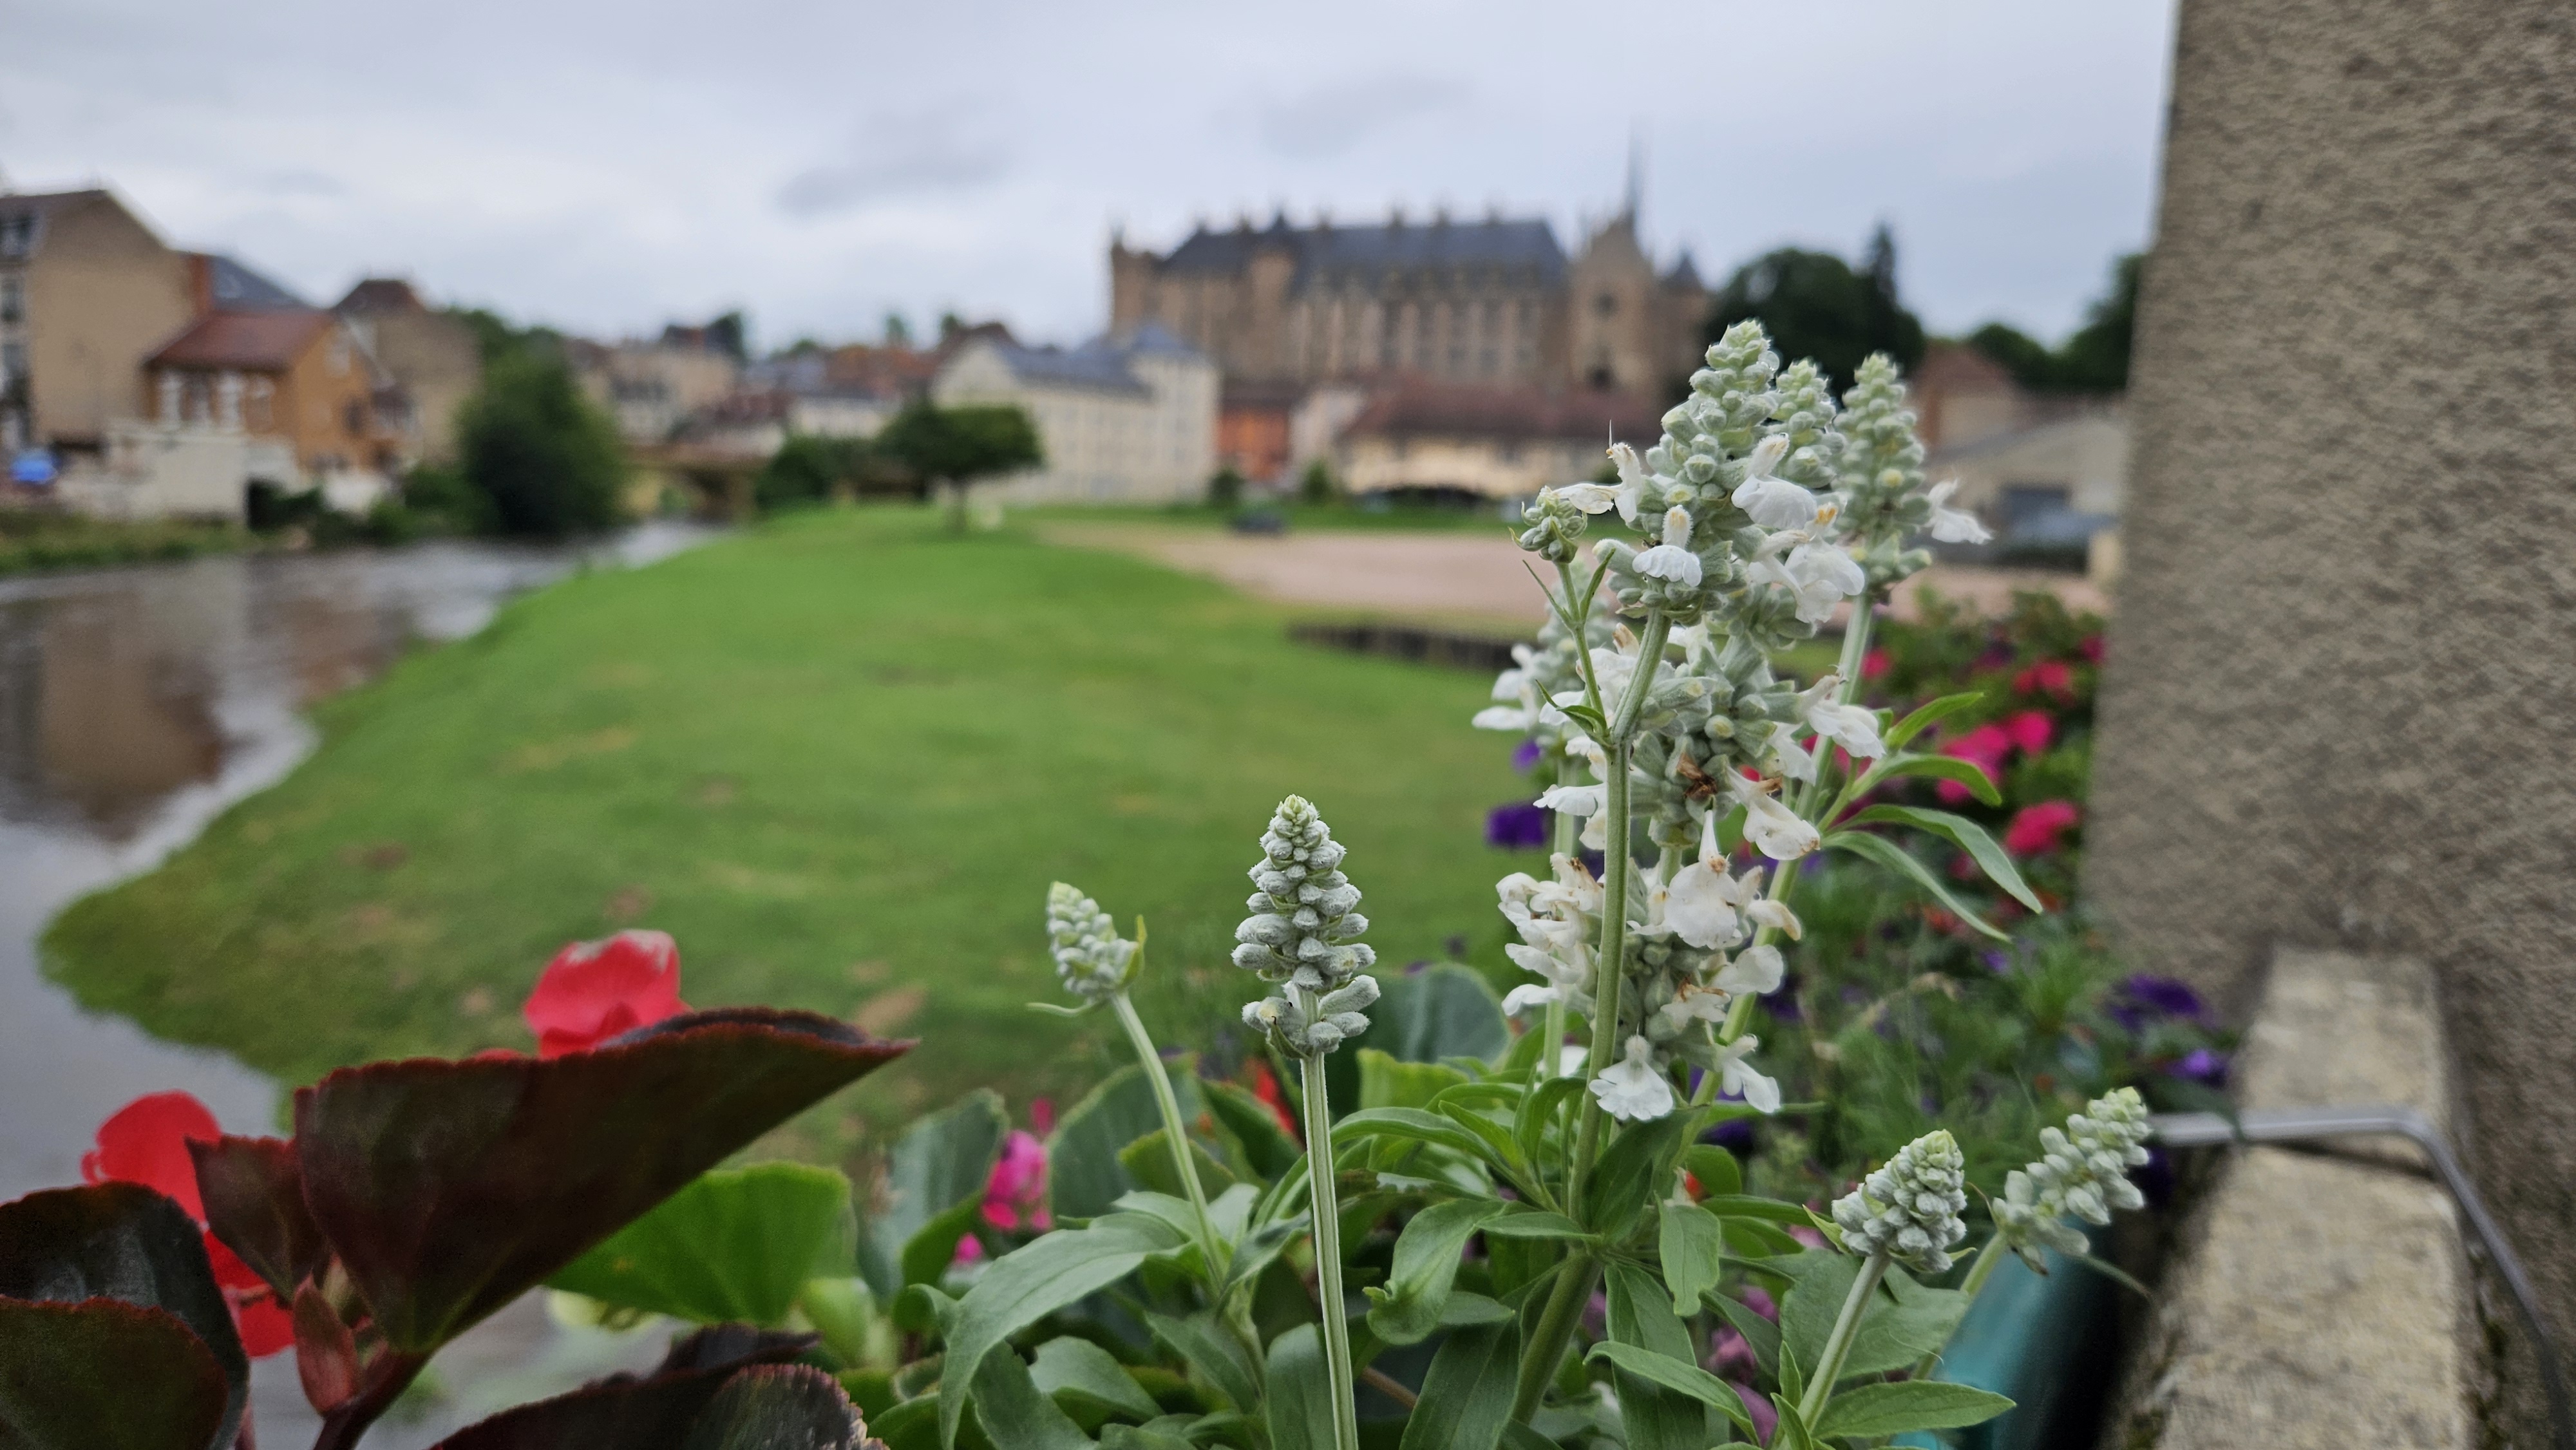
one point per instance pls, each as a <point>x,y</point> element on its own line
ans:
<point>1493,300</point>
<point>1128,419</point>
<point>2077,464</point>
<point>434,358</point>
<point>1494,442</point>
<point>651,388</point>
<point>87,291</point>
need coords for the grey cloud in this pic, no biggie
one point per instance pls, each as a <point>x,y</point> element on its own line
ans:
<point>298,182</point>
<point>1330,120</point>
<point>895,156</point>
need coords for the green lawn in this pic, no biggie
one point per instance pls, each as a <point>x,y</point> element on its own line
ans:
<point>839,758</point>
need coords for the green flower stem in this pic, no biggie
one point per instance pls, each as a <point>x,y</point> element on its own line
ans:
<point>1609,973</point>
<point>1829,1364</point>
<point>1785,879</point>
<point>1551,1063</point>
<point>1328,1245</point>
<point>1978,1273</point>
<point>1173,1130</point>
<point>1556,1321</point>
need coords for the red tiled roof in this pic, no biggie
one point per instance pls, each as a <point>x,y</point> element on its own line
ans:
<point>258,342</point>
<point>1463,410</point>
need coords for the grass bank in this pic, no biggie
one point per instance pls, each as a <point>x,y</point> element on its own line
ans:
<point>33,540</point>
<point>839,758</point>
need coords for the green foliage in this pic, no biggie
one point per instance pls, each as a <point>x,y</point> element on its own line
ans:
<point>1317,486</point>
<point>1225,489</point>
<point>807,468</point>
<point>960,445</point>
<point>1085,1177</point>
<point>932,1189</point>
<point>1025,1287</point>
<point>2094,359</point>
<point>547,460</point>
<point>1466,1399</point>
<point>736,1244</point>
<point>1816,305</point>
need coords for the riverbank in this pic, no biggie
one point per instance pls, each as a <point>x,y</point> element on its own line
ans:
<point>34,542</point>
<point>840,758</point>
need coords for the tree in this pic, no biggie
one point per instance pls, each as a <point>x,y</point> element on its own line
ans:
<point>1815,305</point>
<point>2095,359</point>
<point>806,468</point>
<point>546,459</point>
<point>957,446</point>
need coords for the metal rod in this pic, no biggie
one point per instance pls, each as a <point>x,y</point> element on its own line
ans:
<point>2305,1125</point>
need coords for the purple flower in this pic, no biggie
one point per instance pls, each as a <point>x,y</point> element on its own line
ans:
<point>1518,826</point>
<point>1525,756</point>
<point>1783,1004</point>
<point>1997,961</point>
<point>2202,1066</point>
<point>2165,997</point>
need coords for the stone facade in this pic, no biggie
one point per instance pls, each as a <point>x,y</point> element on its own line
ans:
<point>1494,301</point>
<point>2343,670</point>
<point>1128,419</point>
<point>87,291</point>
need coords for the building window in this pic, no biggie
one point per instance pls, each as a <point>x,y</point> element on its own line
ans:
<point>13,299</point>
<point>17,236</point>
<point>13,362</point>
<point>1605,304</point>
<point>353,418</point>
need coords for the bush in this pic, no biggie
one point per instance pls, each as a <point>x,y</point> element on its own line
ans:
<point>806,469</point>
<point>1225,490</point>
<point>546,459</point>
<point>1317,484</point>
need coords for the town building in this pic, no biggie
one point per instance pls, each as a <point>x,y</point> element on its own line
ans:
<point>651,388</point>
<point>295,376</point>
<point>1458,439</point>
<point>433,358</point>
<point>2048,473</point>
<point>1128,418</point>
<point>87,291</point>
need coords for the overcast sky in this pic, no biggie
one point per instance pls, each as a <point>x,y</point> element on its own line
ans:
<point>604,165</point>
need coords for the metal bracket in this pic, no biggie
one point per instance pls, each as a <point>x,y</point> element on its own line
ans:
<point>2309,1125</point>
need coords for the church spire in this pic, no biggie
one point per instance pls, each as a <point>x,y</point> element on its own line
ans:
<point>1636,189</point>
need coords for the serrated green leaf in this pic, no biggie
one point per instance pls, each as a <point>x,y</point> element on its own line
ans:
<point>1692,1249</point>
<point>1968,836</point>
<point>1467,1393</point>
<point>1034,1281</point>
<point>1088,1383</point>
<point>1424,1268</point>
<point>1869,1411</point>
<point>736,1245</point>
<point>1675,1374</point>
<point>1889,854</point>
<point>1903,1325</point>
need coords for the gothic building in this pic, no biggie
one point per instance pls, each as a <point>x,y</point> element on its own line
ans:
<point>1493,301</point>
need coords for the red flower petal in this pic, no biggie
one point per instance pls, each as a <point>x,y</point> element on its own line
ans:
<point>593,991</point>
<point>265,1325</point>
<point>146,1142</point>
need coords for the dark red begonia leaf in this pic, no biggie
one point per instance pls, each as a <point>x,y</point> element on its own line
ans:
<point>447,1189</point>
<point>326,1352</point>
<point>123,1241</point>
<point>780,1405</point>
<point>626,1413</point>
<point>103,1374</point>
<point>254,1203</point>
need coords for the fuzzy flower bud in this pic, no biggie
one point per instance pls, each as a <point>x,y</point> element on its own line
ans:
<point>1909,1209</point>
<point>1088,953</point>
<point>2082,1171</point>
<point>1555,523</point>
<point>1303,923</point>
<point>1299,1033</point>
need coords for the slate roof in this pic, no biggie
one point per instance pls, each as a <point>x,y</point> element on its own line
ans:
<point>1100,365</point>
<point>258,342</point>
<point>1327,253</point>
<point>1418,408</point>
<point>232,287</point>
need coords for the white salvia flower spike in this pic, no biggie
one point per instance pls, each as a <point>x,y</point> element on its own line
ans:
<point>1909,1208</point>
<point>1303,933</point>
<point>1090,957</point>
<point>2082,1171</point>
<point>1774,503</point>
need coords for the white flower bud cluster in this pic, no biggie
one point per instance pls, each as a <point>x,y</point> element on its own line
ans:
<point>1302,932</point>
<point>2082,1171</point>
<point>1556,920</point>
<point>1555,524</point>
<point>1089,955</point>
<point>1909,1209</point>
<point>1885,501</point>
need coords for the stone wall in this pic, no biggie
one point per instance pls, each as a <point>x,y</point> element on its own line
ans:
<point>2342,684</point>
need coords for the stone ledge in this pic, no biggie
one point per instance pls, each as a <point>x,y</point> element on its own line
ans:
<point>2320,1301</point>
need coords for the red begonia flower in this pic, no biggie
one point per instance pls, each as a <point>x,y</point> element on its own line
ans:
<point>1265,1086</point>
<point>1986,746</point>
<point>2035,828</point>
<point>1874,664</point>
<point>2030,731</point>
<point>146,1142</point>
<point>592,991</point>
<point>2048,677</point>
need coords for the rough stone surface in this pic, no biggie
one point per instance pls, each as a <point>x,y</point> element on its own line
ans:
<point>2343,671</point>
<point>2321,1302</point>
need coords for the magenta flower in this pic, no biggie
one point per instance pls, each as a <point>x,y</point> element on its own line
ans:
<point>2048,677</point>
<point>2034,829</point>
<point>1015,1195</point>
<point>1984,747</point>
<point>2030,731</point>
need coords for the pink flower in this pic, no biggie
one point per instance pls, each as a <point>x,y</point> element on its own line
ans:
<point>2030,731</point>
<point>2048,677</point>
<point>592,991</point>
<point>1874,664</point>
<point>1984,747</point>
<point>2035,828</point>
<point>1757,1407</point>
<point>1728,1353</point>
<point>1016,1192</point>
<point>1759,1300</point>
<point>146,1142</point>
<point>2091,649</point>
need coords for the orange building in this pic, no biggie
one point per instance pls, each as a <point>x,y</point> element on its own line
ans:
<point>295,374</point>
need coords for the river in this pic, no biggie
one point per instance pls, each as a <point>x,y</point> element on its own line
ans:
<point>135,705</point>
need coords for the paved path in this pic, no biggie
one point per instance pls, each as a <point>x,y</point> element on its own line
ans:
<point>1459,576</point>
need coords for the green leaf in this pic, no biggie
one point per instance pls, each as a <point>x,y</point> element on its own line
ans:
<point>1028,1284</point>
<point>1426,1264</point>
<point>1938,767</point>
<point>1408,1123</point>
<point>1015,1414</point>
<point>934,1184</point>
<point>1889,854</point>
<point>1443,1011</point>
<point>1715,1169</point>
<point>1084,1177</point>
<point>1539,1109</point>
<point>106,1375</point>
<point>1499,1146</point>
<point>1148,1160</point>
<point>1534,1225</point>
<point>1267,1148</point>
<point>1968,836</point>
<point>1867,1411</point>
<point>1641,1316</point>
<point>1386,1082</point>
<point>1809,1309</point>
<point>735,1245</point>
<point>98,1248</point>
<point>1693,1252</point>
<point>1088,1382</point>
<point>450,1188</point>
<point>1759,1333</point>
<point>1467,1394</point>
<point>1634,1173</point>
<point>1208,1347</point>
<point>1300,1408</point>
<point>772,1405</point>
<point>1897,1331</point>
<point>1741,1205</point>
<point>1929,714</point>
<point>1680,1376</point>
